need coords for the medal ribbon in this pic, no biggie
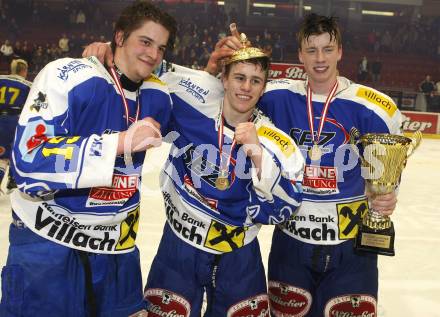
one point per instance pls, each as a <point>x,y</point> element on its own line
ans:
<point>124,101</point>
<point>324,111</point>
<point>220,146</point>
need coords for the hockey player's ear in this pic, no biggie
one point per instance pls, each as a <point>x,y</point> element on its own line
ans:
<point>119,38</point>
<point>339,53</point>
<point>300,56</point>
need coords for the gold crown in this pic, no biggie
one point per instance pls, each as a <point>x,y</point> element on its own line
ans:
<point>246,52</point>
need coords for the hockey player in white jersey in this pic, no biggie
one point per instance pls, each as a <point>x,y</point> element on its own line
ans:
<point>312,260</point>
<point>76,214</point>
<point>313,267</point>
<point>229,171</point>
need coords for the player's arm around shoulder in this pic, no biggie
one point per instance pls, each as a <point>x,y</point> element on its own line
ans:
<point>179,77</point>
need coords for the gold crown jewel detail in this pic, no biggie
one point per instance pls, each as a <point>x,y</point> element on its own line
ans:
<point>246,52</point>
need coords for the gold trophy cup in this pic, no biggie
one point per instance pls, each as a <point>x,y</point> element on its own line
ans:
<point>384,158</point>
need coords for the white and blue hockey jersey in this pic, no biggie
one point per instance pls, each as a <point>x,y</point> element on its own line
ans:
<point>334,189</point>
<point>73,188</point>
<point>213,220</point>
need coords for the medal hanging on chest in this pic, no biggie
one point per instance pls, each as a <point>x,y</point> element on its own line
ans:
<point>315,151</point>
<point>222,181</point>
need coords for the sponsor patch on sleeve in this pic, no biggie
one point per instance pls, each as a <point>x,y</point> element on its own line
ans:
<point>379,100</point>
<point>281,141</point>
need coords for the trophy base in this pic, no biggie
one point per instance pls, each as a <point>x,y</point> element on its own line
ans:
<point>375,241</point>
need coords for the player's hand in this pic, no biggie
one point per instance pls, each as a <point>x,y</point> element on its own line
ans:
<point>385,204</point>
<point>141,135</point>
<point>102,51</point>
<point>246,134</point>
<point>224,48</point>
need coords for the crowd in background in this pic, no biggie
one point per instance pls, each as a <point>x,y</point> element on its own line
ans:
<point>39,33</point>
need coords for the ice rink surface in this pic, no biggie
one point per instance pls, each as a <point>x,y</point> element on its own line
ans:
<point>409,282</point>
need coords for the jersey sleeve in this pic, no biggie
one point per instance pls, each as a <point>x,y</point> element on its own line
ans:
<point>47,155</point>
<point>278,192</point>
<point>380,114</point>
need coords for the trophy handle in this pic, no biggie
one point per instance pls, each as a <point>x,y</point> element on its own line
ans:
<point>416,139</point>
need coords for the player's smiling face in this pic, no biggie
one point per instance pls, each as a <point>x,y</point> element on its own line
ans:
<point>320,57</point>
<point>142,51</point>
<point>243,86</point>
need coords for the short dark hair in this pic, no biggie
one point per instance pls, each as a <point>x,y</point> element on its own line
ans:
<point>314,24</point>
<point>263,62</point>
<point>133,16</point>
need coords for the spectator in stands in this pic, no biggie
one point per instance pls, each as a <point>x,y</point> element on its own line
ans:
<point>267,40</point>
<point>55,52</point>
<point>7,51</point>
<point>39,59</point>
<point>427,87</point>
<point>63,44</point>
<point>437,86</point>
<point>436,99</point>
<point>80,17</point>
<point>26,51</point>
<point>363,70</point>
<point>18,50</point>
<point>386,41</point>
<point>376,69</point>
<point>268,49</point>
<point>258,42</point>
<point>74,48</point>
<point>371,40</point>
<point>278,49</point>
<point>82,42</point>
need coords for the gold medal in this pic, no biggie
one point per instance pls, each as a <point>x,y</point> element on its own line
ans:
<point>222,183</point>
<point>315,152</point>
